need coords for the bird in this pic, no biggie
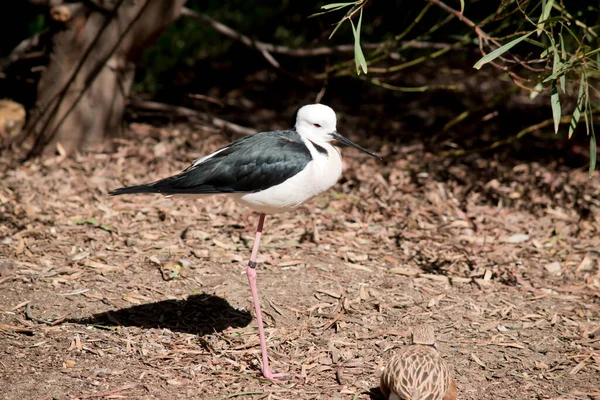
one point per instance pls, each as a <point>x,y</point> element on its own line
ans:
<point>269,172</point>
<point>418,372</point>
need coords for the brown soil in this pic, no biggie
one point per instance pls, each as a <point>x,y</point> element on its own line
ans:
<point>146,297</point>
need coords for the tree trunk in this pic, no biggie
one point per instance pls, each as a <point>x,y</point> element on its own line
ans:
<point>82,93</point>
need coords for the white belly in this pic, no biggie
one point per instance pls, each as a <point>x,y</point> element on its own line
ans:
<point>319,175</point>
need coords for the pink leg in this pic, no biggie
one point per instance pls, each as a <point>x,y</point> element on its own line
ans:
<point>251,272</point>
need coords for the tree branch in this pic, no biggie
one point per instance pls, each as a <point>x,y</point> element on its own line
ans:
<point>264,48</point>
<point>188,112</point>
<point>45,3</point>
<point>466,20</point>
<point>20,51</point>
<point>293,52</point>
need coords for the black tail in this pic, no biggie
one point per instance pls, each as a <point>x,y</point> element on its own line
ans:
<point>147,188</point>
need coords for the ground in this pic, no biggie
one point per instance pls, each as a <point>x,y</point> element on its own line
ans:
<point>145,297</point>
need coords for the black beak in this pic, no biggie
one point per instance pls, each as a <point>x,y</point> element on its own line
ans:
<point>347,142</point>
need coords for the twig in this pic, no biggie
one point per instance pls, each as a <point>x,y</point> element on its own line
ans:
<point>321,93</point>
<point>227,31</point>
<point>462,152</point>
<point>20,50</point>
<point>295,52</point>
<point>412,89</point>
<point>384,333</point>
<point>484,36</point>
<point>466,20</point>
<point>188,112</point>
<point>235,128</point>
<point>208,99</point>
<point>17,329</point>
<point>232,395</point>
<point>333,321</point>
<point>34,319</point>
<point>45,3</point>
<point>127,386</point>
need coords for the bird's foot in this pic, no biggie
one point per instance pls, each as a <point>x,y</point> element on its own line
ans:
<point>270,375</point>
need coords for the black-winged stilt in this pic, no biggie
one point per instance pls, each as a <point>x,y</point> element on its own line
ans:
<point>270,172</point>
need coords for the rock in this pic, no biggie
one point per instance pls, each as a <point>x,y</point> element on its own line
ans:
<point>518,238</point>
<point>553,268</point>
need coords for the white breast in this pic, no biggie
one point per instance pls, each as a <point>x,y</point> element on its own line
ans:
<point>319,175</point>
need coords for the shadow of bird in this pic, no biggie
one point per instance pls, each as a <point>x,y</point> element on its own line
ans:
<point>198,314</point>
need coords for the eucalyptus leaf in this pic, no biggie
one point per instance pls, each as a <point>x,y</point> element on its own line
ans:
<point>359,57</point>
<point>577,112</point>
<point>558,66</point>
<point>544,16</point>
<point>547,51</point>
<point>555,102</point>
<point>537,90</point>
<point>562,79</point>
<point>336,6</point>
<point>499,51</point>
<point>593,153</point>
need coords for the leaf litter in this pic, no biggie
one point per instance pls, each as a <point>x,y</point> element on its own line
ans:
<point>146,297</point>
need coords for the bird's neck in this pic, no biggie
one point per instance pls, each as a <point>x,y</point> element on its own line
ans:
<point>318,148</point>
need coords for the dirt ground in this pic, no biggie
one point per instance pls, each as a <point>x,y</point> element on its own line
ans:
<point>144,297</point>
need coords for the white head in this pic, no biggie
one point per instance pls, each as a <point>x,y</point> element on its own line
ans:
<point>317,123</point>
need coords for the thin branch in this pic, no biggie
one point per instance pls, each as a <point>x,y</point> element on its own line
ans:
<point>462,152</point>
<point>296,52</point>
<point>20,51</point>
<point>45,3</point>
<point>465,20</point>
<point>484,36</point>
<point>189,113</point>
<point>264,48</point>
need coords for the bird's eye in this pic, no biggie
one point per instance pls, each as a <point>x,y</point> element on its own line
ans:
<point>317,125</point>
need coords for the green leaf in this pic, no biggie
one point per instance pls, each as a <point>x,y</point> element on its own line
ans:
<point>593,153</point>
<point>555,102</point>
<point>336,28</point>
<point>587,122</point>
<point>336,6</point>
<point>462,6</point>
<point>535,43</point>
<point>89,221</point>
<point>558,73</point>
<point>578,107</point>
<point>544,16</point>
<point>563,78</point>
<point>588,109</point>
<point>359,57</point>
<point>538,89</point>
<point>499,51</point>
<point>558,66</point>
<point>107,228</point>
<point>330,8</point>
<point>547,51</point>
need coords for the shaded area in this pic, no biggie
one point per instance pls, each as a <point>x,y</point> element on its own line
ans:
<point>198,314</point>
<point>375,393</point>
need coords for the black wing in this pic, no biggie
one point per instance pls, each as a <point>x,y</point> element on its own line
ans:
<point>249,164</point>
